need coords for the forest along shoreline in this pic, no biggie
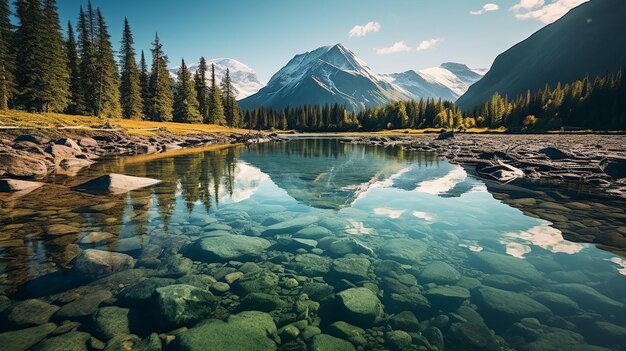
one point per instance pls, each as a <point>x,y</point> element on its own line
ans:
<point>33,154</point>
<point>593,161</point>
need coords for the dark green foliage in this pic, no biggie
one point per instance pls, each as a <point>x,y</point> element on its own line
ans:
<point>216,108</point>
<point>130,88</point>
<point>599,105</point>
<point>88,64</point>
<point>76,104</point>
<point>144,82</point>
<point>55,94</point>
<point>229,101</point>
<point>41,72</point>
<point>185,101</point>
<point>107,89</point>
<point>161,96</point>
<point>7,62</point>
<point>202,90</point>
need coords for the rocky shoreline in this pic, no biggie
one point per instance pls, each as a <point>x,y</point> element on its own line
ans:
<point>32,154</point>
<point>589,160</point>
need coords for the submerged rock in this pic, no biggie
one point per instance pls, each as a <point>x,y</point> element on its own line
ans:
<point>439,273</point>
<point>261,281</point>
<point>447,296</point>
<point>181,304</point>
<point>246,331</point>
<point>92,263</point>
<point>111,321</point>
<point>226,248</point>
<point>476,337</point>
<point>290,226</point>
<point>351,268</point>
<point>115,184</point>
<point>360,306</point>
<point>84,306</point>
<point>407,251</point>
<point>28,313</point>
<point>140,294</point>
<point>490,262</point>
<point>499,305</point>
<point>589,297</point>
<point>325,342</point>
<point>24,339</point>
<point>72,341</point>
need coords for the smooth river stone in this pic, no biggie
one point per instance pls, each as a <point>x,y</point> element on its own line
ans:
<point>115,184</point>
<point>24,339</point>
<point>406,251</point>
<point>490,262</point>
<point>499,306</point>
<point>93,264</point>
<point>290,226</point>
<point>226,248</point>
<point>360,306</point>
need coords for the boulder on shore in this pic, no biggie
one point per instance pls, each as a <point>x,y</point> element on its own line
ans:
<point>115,184</point>
<point>14,185</point>
<point>19,166</point>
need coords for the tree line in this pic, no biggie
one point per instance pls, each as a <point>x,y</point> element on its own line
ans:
<point>41,70</point>
<point>598,104</point>
<point>423,113</point>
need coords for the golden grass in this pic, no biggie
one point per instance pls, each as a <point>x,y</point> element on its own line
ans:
<point>26,120</point>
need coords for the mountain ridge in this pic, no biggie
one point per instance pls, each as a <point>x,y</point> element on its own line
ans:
<point>564,51</point>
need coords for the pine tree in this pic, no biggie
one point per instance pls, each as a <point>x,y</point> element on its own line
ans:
<point>231,108</point>
<point>202,90</point>
<point>130,88</point>
<point>107,89</point>
<point>185,101</point>
<point>29,44</point>
<point>55,94</point>
<point>76,104</point>
<point>6,58</point>
<point>160,85</point>
<point>216,109</point>
<point>144,82</point>
<point>88,66</point>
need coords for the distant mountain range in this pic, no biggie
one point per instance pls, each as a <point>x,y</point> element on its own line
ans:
<point>589,39</point>
<point>243,77</point>
<point>448,81</point>
<point>334,74</point>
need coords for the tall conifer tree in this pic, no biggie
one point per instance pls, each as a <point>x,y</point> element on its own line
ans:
<point>7,82</point>
<point>231,108</point>
<point>185,101</point>
<point>161,96</point>
<point>76,104</point>
<point>55,90</point>
<point>216,109</point>
<point>202,90</point>
<point>130,88</point>
<point>29,44</point>
<point>88,65</point>
<point>144,81</point>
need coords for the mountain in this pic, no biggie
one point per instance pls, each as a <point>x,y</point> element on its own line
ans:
<point>243,77</point>
<point>589,39</point>
<point>448,81</point>
<point>327,75</point>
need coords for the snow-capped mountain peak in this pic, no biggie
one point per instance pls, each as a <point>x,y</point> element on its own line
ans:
<point>329,74</point>
<point>244,78</point>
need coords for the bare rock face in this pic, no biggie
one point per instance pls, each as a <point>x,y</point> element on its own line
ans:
<point>88,142</point>
<point>93,263</point>
<point>115,184</point>
<point>69,143</point>
<point>19,166</point>
<point>14,185</point>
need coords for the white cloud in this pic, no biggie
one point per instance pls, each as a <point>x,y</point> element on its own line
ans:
<point>398,46</point>
<point>427,44</point>
<point>487,8</point>
<point>361,31</point>
<point>546,13</point>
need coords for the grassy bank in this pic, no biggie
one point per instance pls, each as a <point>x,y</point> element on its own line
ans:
<point>23,120</point>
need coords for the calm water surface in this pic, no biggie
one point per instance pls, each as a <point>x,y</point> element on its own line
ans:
<point>447,263</point>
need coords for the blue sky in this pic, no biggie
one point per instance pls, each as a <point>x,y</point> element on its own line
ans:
<point>265,34</point>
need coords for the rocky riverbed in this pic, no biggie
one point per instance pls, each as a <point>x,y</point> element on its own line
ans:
<point>588,160</point>
<point>33,154</point>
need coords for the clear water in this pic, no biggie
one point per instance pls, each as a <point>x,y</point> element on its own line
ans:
<point>505,271</point>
